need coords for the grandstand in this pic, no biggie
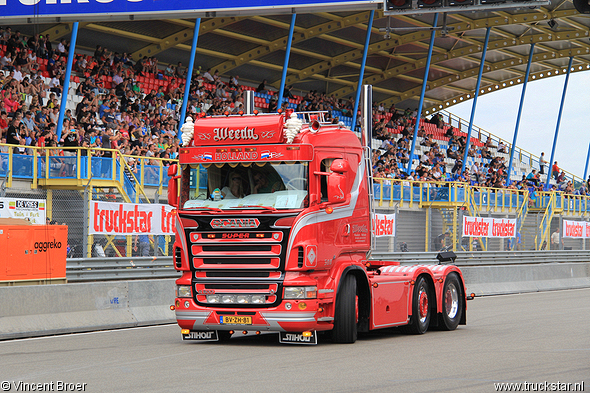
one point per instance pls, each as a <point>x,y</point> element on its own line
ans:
<point>137,176</point>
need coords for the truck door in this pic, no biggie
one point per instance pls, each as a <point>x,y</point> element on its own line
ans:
<point>333,233</point>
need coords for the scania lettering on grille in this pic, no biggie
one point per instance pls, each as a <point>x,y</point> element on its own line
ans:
<point>235,223</point>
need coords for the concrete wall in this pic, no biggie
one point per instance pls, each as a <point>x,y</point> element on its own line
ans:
<point>40,310</point>
<point>28,311</point>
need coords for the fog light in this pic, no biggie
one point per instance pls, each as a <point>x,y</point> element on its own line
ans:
<point>177,303</point>
<point>213,299</point>
<point>243,299</point>
<point>288,306</point>
<point>227,299</point>
<point>302,306</point>
<point>186,304</point>
<point>258,299</point>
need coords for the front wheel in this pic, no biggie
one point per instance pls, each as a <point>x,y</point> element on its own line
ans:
<point>345,315</point>
<point>421,308</point>
<point>452,303</point>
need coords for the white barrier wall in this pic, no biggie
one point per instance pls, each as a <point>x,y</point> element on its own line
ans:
<point>39,310</point>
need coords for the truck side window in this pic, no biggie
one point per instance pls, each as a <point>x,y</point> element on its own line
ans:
<point>325,167</point>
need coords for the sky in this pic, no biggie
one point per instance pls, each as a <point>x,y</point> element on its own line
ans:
<point>496,113</point>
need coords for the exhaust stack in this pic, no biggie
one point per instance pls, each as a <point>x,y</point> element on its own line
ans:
<point>248,102</point>
<point>366,138</point>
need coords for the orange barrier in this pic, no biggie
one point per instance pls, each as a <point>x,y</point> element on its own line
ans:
<point>32,253</point>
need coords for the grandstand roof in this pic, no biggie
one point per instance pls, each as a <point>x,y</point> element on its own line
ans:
<point>328,46</point>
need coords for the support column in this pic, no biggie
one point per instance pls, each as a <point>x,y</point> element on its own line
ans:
<point>362,75</point>
<point>567,78</point>
<point>422,93</point>
<point>189,76</point>
<point>66,86</point>
<point>477,86</point>
<point>586,167</point>
<point>286,64</point>
<point>526,80</point>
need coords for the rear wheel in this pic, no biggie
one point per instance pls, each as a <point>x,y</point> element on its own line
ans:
<point>345,315</point>
<point>421,308</point>
<point>452,303</point>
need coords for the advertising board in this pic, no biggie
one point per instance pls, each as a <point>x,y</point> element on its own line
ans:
<point>32,210</point>
<point>84,10</point>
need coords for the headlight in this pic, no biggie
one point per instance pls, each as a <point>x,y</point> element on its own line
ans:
<point>301,292</point>
<point>183,291</point>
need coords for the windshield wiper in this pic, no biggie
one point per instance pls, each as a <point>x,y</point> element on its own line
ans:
<point>253,206</point>
<point>215,209</point>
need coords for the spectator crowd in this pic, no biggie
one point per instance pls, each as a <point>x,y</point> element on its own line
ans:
<point>121,108</point>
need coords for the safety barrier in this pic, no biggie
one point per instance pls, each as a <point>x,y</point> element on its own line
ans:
<point>40,310</point>
<point>104,269</point>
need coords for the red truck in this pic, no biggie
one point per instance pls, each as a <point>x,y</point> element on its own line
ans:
<point>274,232</point>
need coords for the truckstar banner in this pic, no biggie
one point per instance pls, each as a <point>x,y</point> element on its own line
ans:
<point>576,229</point>
<point>112,218</point>
<point>488,227</point>
<point>26,209</point>
<point>384,225</point>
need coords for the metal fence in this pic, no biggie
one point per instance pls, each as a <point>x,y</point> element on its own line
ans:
<point>71,208</point>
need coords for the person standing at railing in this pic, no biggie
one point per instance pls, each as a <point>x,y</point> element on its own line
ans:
<point>555,170</point>
<point>542,163</point>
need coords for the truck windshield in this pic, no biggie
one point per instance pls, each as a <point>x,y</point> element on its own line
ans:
<point>254,185</point>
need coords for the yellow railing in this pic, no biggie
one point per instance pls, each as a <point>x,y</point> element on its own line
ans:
<point>444,193</point>
<point>79,163</point>
<point>519,153</point>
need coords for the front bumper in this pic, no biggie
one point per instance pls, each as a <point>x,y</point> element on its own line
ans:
<point>276,320</point>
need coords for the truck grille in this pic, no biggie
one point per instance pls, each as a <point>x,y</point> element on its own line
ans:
<point>241,267</point>
<point>224,250</point>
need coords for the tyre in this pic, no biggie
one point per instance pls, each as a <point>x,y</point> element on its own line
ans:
<point>345,315</point>
<point>421,308</point>
<point>452,303</point>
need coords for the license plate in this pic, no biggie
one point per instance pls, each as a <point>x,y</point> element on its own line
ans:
<point>231,320</point>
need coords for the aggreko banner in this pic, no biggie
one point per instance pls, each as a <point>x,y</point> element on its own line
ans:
<point>488,227</point>
<point>576,229</point>
<point>384,225</point>
<point>113,218</point>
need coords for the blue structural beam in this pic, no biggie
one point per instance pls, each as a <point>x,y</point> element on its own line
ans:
<point>189,76</point>
<point>286,64</point>
<point>567,79</point>
<point>66,86</point>
<point>477,86</point>
<point>362,73</point>
<point>422,93</point>
<point>587,160</point>
<point>526,80</point>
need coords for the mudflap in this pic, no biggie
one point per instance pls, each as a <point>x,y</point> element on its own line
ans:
<point>304,338</point>
<point>208,335</point>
